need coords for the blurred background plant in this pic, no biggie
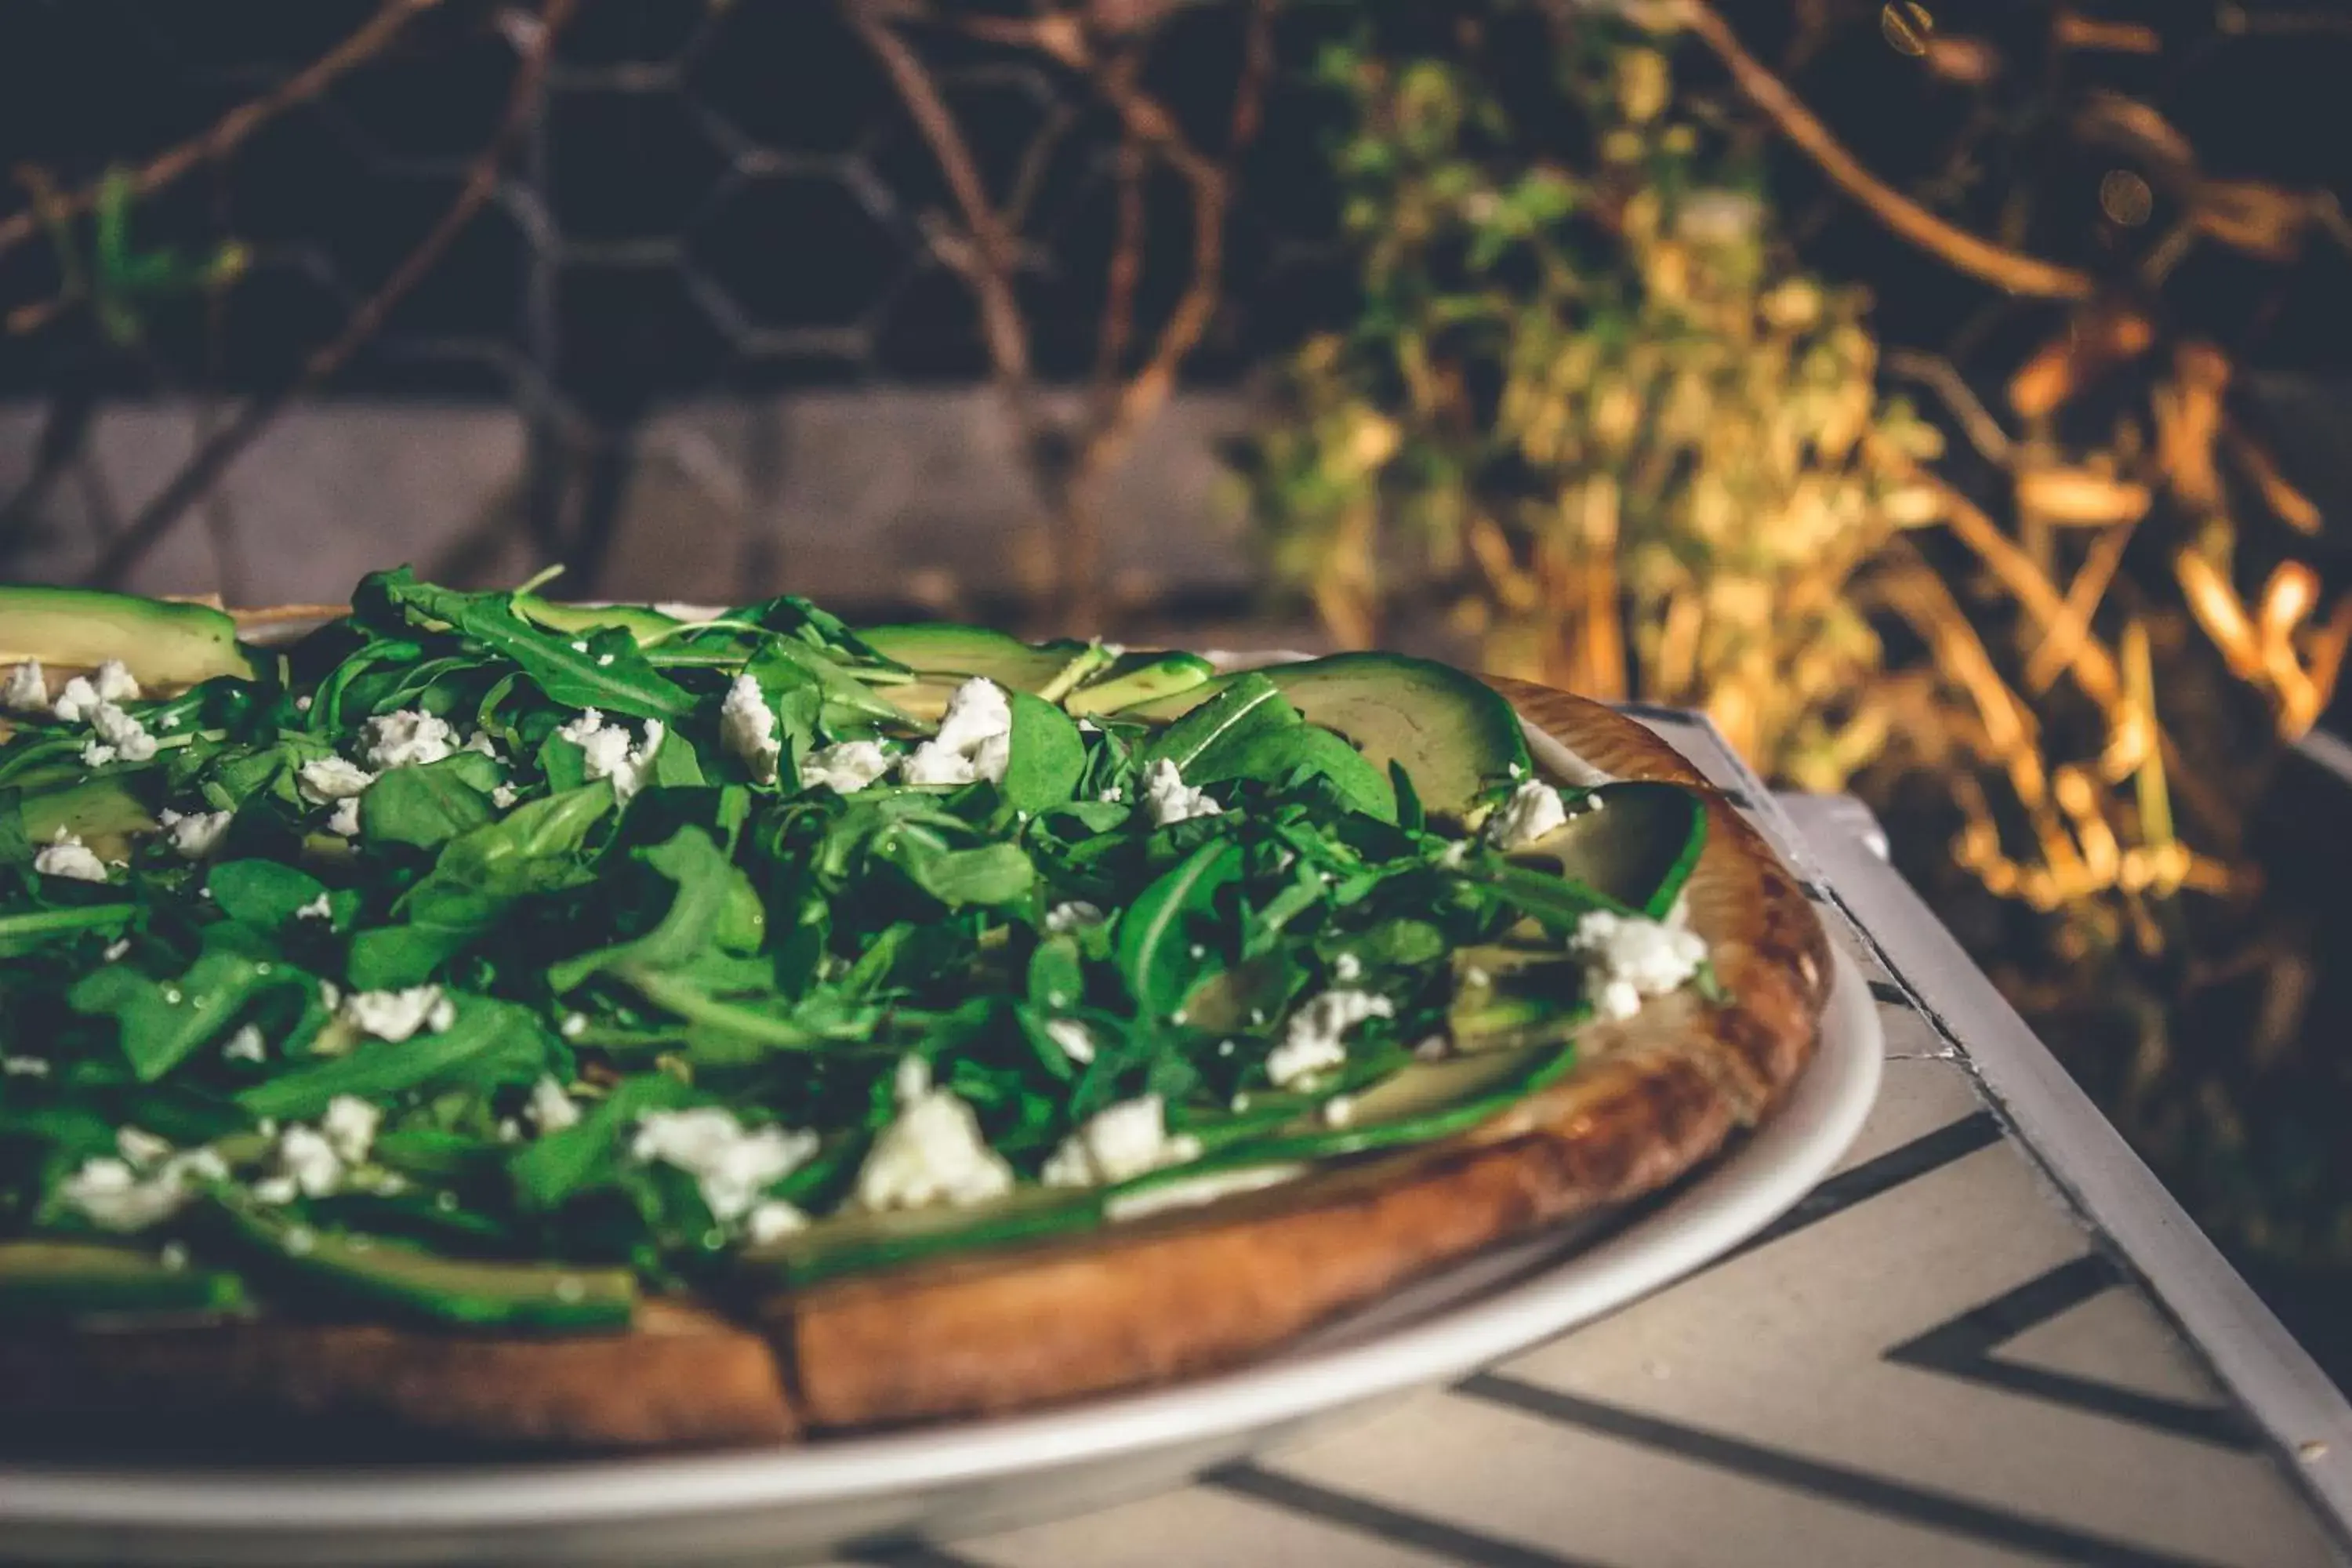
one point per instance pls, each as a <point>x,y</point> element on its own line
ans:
<point>1951,400</point>
<point>1599,411</point>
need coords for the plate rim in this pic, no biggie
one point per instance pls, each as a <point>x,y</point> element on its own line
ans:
<point>1730,1201</point>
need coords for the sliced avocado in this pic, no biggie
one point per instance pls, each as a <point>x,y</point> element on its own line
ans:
<point>1635,841</point>
<point>166,646</point>
<point>1140,678</point>
<point>944,656</point>
<point>850,1244</point>
<point>643,624</point>
<point>105,812</point>
<point>50,1280</point>
<point>474,1292</point>
<point>1419,1104</point>
<point>1455,735</point>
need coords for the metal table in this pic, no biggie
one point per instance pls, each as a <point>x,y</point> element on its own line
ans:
<point>1990,1338</point>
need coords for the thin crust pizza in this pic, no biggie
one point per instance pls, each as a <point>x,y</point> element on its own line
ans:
<point>473,1018</point>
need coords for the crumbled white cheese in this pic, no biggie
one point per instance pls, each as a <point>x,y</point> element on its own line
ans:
<point>1338,1110</point>
<point>350,1126</point>
<point>76,701</point>
<point>747,727</point>
<point>975,738</point>
<point>23,1067</point>
<point>344,820</point>
<point>574,1025</point>
<point>1077,1042</point>
<point>116,948</point>
<point>772,1221</point>
<point>27,691</point>
<point>1112,795</point>
<point>845,769</point>
<point>1118,1143</point>
<point>551,1110</point>
<point>115,682</point>
<point>1072,915</point>
<point>610,751</point>
<point>318,908</point>
<point>1190,1192</point>
<point>933,764</point>
<point>246,1044</point>
<point>1533,810</point>
<point>1311,1041</point>
<point>931,1153</point>
<point>146,1185</point>
<point>479,740</point>
<point>504,795</point>
<point>307,1167</point>
<point>330,779</point>
<point>396,1015</point>
<point>119,736</point>
<point>1347,968</point>
<point>303,703</point>
<point>194,834</point>
<point>67,856</point>
<point>1169,799</point>
<point>732,1168</point>
<point>408,738</point>
<point>1628,959</point>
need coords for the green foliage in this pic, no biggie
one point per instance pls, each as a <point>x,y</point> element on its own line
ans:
<point>1589,407</point>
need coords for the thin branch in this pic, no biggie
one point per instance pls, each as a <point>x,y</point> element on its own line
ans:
<point>1937,374</point>
<point>990,273</point>
<point>1978,258</point>
<point>156,518</point>
<point>231,129</point>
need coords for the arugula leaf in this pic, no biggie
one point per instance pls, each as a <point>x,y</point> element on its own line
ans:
<point>1047,757</point>
<point>704,881</point>
<point>1250,704</point>
<point>160,1022</point>
<point>263,894</point>
<point>429,804</point>
<point>488,1043</point>
<point>1155,931</point>
<point>619,681</point>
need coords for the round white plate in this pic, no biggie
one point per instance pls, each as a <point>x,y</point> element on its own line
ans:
<point>776,1505</point>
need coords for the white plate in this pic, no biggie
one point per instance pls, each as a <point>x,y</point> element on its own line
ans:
<point>776,1505</point>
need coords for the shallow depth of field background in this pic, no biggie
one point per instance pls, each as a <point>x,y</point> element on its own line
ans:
<point>1954,401</point>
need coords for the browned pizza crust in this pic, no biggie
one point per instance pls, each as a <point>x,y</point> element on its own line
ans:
<point>680,1377</point>
<point>1150,1302</point>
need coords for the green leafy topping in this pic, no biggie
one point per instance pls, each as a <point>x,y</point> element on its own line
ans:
<point>414,986</point>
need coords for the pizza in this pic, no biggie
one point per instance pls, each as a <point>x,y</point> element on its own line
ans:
<point>508,1024</point>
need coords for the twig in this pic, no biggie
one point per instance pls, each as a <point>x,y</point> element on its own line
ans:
<point>203,469</point>
<point>1937,374</point>
<point>1976,257</point>
<point>991,278</point>
<point>2063,636</point>
<point>231,131</point>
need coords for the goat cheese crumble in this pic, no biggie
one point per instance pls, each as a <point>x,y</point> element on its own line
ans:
<point>975,738</point>
<point>327,780</point>
<point>845,769</point>
<point>931,1153</point>
<point>408,738</point>
<point>747,727</point>
<point>1628,959</point>
<point>395,1015</point>
<point>1533,810</point>
<point>732,1168</point>
<point>1169,799</point>
<point>610,751</point>
<point>1121,1142</point>
<point>1311,1040</point>
<point>27,691</point>
<point>148,1182</point>
<point>65,855</point>
<point>194,834</point>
